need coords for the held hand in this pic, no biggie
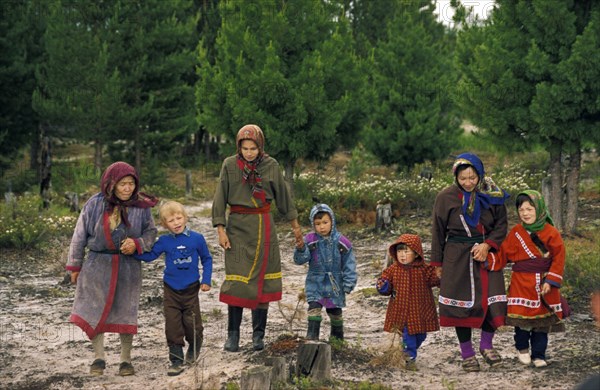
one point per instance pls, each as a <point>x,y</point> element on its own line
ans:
<point>298,237</point>
<point>438,272</point>
<point>480,251</point>
<point>205,287</point>
<point>545,288</point>
<point>224,240</point>
<point>74,276</point>
<point>127,246</point>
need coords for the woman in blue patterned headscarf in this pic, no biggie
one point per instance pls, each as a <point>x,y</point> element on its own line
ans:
<point>469,224</point>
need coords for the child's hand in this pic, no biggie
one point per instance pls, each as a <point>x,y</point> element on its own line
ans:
<point>205,287</point>
<point>545,288</point>
<point>438,272</point>
<point>383,286</point>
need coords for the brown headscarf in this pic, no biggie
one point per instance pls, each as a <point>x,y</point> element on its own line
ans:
<point>250,174</point>
<point>111,176</point>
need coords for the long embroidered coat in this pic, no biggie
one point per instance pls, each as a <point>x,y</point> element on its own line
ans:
<point>253,264</point>
<point>108,288</point>
<point>525,306</point>
<point>469,289</point>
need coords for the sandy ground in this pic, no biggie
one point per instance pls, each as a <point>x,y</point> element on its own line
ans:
<point>39,349</point>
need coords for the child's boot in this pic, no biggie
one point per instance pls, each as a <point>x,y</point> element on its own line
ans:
<point>192,353</point>
<point>314,327</point>
<point>259,324</point>
<point>234,314</point>
<point>337,329</point>
<point>176,358</point>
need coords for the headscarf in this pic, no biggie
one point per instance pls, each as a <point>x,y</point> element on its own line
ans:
<point>250,174</point>
<point>486,192</point>
<point>410,240</point>
<point>542,214</point>
<point>111,176</point>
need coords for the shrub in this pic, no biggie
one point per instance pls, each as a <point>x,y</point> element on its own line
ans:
<point>582,263</point>
<point>24,225</point>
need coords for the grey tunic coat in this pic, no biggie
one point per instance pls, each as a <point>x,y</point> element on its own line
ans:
<point>108,286</point>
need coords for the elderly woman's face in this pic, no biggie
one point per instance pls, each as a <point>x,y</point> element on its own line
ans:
<point>468,179</point>
<point>124,188</point>
<point>249,150</point>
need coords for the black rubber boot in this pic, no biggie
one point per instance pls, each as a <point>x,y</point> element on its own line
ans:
<point>234,314</point>
<point>176,358</point>
<point>314,329</point>
<point>259,324</point>
<point>337,329</point>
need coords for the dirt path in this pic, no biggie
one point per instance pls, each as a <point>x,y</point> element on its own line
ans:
<point>39,349</point>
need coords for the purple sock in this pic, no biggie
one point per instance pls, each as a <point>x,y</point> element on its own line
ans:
<point>466,349</point>
<point>486,340</point>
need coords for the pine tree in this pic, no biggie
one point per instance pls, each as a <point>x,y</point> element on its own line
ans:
<point>412,118</point>
<point>531,75</point>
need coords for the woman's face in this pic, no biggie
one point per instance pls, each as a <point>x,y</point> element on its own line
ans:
<point>468,179</point>
<point>249,150</point>
<point>527,213</point>
<point>124,188</point>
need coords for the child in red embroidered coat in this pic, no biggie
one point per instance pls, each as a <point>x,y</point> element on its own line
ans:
<point>411,308</point>
<point>536,249</point>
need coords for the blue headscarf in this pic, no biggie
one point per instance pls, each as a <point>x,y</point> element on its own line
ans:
<point>486,192</point>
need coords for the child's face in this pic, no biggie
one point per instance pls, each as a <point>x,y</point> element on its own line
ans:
<point>323,225</point>
<point>405,255</point>
<point>527,213</point>
<point>175,223</point>
<point>249,150</point>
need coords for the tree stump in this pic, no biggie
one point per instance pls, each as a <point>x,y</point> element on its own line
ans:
<point>256,378</point>
<point>314,360</point>
<point>279,371</point>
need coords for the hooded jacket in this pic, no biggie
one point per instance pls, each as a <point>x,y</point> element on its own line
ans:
<point>411,303</point>
<point>331,264</point>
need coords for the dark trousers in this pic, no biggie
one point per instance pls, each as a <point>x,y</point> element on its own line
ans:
<point>538,340</point>
<point>182,312</point>
<point>336,311</point>
<point>465,334</point>
<point>412,342</point>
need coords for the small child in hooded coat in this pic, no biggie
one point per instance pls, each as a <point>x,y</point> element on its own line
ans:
<point>411,308</point>
<point>331,271</point>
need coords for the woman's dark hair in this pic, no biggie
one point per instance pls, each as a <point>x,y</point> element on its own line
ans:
<point>522,198</point>
<point>462,167</point>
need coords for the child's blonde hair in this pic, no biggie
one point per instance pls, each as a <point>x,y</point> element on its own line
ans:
<point>169,208</point>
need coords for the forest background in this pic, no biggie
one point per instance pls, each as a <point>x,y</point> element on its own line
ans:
<point>361,102</point>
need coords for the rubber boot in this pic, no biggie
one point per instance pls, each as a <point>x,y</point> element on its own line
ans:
<point>176,358</point>
<point>314,329</point>
<point>259,324</point>
<point>234,314</point>
<point>337,329</point>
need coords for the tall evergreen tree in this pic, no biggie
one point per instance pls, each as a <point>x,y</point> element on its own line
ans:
<point>288,67</point>
<point>532,75</point>
<point>77,86</point>
<point>21,27</point>
<point>412,117</point>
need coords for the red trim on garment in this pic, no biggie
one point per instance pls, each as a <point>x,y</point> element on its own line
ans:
<point>266,252</point>
<point>113,274</point>
<point>107,328</point>
<point>483,274</point>
<point>236,209</point>
<point>470,322</point>
<point>138,246</point>
<point>72,268</point>
<point>249,303</point>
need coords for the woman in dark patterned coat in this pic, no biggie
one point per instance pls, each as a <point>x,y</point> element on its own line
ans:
<point>469,224</point>
<point>113,224</point>
<point>411,309</point>
<point>249,182</point>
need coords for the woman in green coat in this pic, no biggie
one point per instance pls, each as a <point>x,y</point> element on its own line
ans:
<point>248,183</point>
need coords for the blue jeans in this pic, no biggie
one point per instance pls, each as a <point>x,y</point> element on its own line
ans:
<point>412,342</point>
<point>538,340</point>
